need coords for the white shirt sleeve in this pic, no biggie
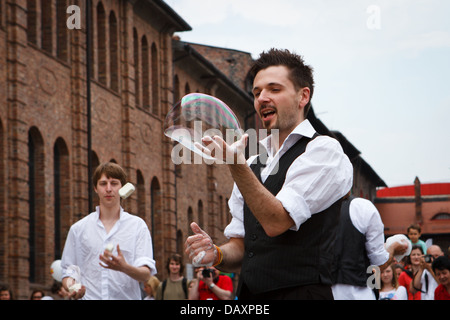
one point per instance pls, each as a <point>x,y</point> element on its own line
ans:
<point>314,181</point>
<point>144,250</point>
<point>318,178</point>
<point>69,256</point>
<point>365,217</point>
<point>236,204</point>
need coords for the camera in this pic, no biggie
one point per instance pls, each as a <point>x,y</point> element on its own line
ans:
<point>428,258</point>
<point>206,273</point>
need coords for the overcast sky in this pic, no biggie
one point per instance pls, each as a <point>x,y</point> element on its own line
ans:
<point>381,67</point>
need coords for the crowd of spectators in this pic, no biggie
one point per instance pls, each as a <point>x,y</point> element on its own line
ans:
<point>422,275</point>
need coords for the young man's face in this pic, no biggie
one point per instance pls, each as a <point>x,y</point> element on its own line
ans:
<point>107,190</point>
<point>174,267</point>
<point>277,102</point>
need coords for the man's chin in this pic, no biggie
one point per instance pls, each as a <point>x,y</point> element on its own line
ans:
<point>269,128</point>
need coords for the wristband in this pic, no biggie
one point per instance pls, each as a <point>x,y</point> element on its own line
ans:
<point>220,257</point>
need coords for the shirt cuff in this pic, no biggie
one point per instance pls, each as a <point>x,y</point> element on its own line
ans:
<point>235,229</point>
<point>379,258</point>
<point>145,261</point>
<point>296,206</point>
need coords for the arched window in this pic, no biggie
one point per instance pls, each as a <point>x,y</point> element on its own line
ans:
<point>101,44</point>
<point>3,214</point>
<point>91,43</point>
<point>176,99</point>
<point>137,92</point>
<point>200,214</point>
<point>155,80</point>
<point>47,25</point>
<point>113,52</point>
<point>180,242</point>
<point>157,229</point>
<point>62,191</point>
<point>176,89</point>
<point>190,219</point>
<point>145,73</point>
<point>36,205</point>
<point>140,188</point>
<point>61,30</point>
<point>32,32</point>
<point>442,216</point>
<point>95,163</point>
<point>187,90</point>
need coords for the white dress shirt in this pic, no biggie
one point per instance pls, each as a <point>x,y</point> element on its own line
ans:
<point>315,180</point>
<point>366,219</point>
<point>87,240</point>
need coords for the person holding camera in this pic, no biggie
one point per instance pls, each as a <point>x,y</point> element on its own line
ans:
<point>211,285</point>
<point>425,280</point>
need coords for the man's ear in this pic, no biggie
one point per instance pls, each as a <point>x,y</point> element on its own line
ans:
<point>304,96</point>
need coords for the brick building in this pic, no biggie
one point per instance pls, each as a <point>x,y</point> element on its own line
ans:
<point>427,205</point>
<point>136,76</point>
<point>56,126</point>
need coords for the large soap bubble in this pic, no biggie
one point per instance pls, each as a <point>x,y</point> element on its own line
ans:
<point>198,115</point>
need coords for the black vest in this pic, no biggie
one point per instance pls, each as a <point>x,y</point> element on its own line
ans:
<point>293,258</point>
<point>350,260</point>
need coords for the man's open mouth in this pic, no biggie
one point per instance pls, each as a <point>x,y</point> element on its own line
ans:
<point>265,114</point>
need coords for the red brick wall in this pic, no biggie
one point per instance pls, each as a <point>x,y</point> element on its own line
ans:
<point>43,92</point>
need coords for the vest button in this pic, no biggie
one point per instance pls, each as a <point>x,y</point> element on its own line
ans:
<point>254,237</point>
<point>250,254</point>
